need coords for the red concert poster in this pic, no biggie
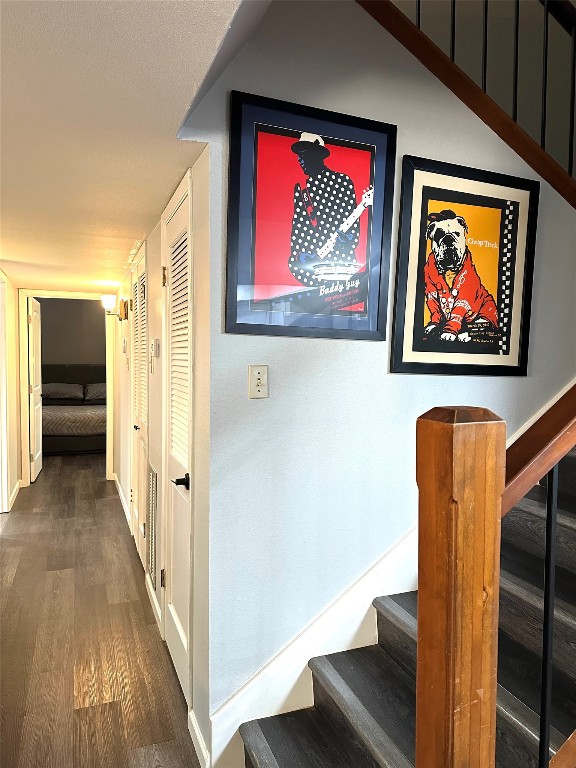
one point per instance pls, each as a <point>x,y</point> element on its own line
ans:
<point>309,220</point>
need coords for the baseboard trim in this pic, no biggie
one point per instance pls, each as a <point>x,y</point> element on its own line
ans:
<point>202,751</point>
<point>123,501</point>
<point>154,601</point>
<point>285,682</point>
<point>526,426</point>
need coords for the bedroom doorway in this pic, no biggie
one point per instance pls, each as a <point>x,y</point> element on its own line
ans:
<point>66,360</point>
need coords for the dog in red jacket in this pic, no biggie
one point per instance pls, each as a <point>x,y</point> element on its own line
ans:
<point>455,295</point>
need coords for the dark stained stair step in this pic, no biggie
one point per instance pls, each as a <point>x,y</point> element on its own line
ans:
<point>374,700</point>
<point>524,528</point>
<point>302,739</point>
<point>517,723</point>
<point>521,611</point>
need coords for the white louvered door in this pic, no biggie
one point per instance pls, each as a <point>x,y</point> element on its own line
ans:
<point>178,351</point>
<point>139,483</point>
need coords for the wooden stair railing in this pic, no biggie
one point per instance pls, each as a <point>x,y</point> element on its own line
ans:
<point>566,756</point>
<point>539,449</point>
<point>467,481</point>
<point>437,62</point>
<point>460,473</point>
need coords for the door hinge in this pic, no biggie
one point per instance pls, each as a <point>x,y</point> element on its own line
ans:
<point>143,530</point>
<point>131,305</point>
<point>131,495</point>
<point>164,278</point>
<point>30,389</point>
<point>29,319</point>
<point>163,578</point>
<point>31,457</point>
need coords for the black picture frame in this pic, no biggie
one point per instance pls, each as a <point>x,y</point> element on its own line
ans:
<point>456,311</point>
<point>278,284</point>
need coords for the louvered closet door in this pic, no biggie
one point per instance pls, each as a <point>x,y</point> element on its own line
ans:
<point>177,257</point>
<point>139,484</point>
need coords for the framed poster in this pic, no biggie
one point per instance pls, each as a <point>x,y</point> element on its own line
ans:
<point>310,208</point>
<point>464,272</point>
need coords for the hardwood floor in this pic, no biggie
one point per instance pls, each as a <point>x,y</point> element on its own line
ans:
<point>85,679</point>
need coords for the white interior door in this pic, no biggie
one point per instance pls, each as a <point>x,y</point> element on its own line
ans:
<point>35,386</point>
<point>139,407</point>
<point>178,349</point>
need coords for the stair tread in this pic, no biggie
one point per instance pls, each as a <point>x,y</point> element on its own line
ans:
<point>307,739</point>
<point>408,601</point>
<point>303,739</point>
<point>387,692</point>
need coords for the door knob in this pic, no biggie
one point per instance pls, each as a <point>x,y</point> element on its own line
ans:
<point>136,427</point>
<point>185,481</point>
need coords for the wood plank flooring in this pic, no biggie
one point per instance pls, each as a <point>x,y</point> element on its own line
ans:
<point>85,679</point>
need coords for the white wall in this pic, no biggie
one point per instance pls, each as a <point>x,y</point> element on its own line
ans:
<point>13,445</point>
<point>313,485</point>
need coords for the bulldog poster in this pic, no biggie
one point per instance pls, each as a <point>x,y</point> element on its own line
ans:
<point>309,221</point>
<point>464,277</point>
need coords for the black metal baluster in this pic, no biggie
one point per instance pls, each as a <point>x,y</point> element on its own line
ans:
<point>516,55</point>
<point>485,45</point>
<point>572,105</point>
<point>544,77</point>
<point>453,29</point>
<point>548,629</point>
<point>419,14</point>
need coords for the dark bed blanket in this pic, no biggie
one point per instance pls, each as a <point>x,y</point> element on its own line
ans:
<point>73,420</point>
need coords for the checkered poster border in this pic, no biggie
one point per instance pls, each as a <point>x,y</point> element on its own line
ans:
<point>506,277</point>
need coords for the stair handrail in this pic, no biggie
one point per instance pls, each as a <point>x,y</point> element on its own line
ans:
<point>471,94</point>
<point>540,448</point>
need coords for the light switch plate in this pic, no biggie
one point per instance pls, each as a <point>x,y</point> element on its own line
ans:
<point>257,381</point>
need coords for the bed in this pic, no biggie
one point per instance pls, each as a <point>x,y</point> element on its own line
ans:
<point>73,409</point>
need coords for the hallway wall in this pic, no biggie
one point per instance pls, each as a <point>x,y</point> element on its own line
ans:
<point>310,487</point>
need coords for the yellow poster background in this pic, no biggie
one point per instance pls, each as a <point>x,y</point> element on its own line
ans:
<point>483,225</point>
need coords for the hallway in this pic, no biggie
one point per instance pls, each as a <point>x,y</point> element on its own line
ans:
<point>86,680</point>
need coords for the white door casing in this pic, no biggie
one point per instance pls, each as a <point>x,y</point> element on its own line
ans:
<point>4,492</point>
<point>177,345</point>
<point>35,386</point>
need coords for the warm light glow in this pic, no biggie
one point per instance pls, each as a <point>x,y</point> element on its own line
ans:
<point>108,302</point>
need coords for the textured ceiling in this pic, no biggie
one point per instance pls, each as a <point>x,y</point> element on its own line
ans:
<point>93,95</point>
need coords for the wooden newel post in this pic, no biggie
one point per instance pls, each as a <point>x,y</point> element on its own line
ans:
<point>461,457</point>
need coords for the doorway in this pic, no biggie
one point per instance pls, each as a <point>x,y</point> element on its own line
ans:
<point>65,374</point>
<point>4,483</point>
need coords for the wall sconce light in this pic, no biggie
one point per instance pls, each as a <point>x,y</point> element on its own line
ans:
<point>109,303</point>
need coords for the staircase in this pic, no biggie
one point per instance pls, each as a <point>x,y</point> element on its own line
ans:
<point>365,699</point>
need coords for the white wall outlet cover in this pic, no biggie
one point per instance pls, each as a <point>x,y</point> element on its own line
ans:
<point>257,381</point>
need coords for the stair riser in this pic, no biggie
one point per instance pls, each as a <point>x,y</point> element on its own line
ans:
<point>527,532</point>
<point>398,642</point>
<point>522,621</point>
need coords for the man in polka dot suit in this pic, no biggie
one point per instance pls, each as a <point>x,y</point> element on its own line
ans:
<point>319,209</point>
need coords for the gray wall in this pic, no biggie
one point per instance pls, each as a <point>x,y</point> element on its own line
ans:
<point>312,486</point>
<point>73,331</point>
